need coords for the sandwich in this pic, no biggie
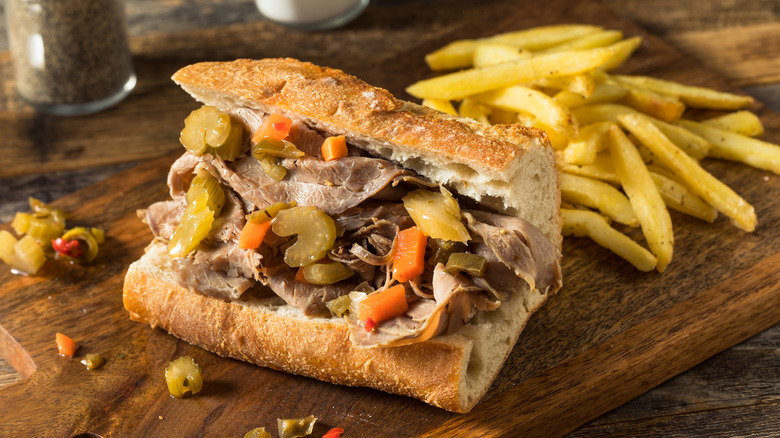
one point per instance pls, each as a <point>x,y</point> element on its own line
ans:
<point>320,226</point>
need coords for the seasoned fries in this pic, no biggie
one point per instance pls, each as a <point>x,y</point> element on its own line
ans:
<point>740,122</point>
<point>736,147</point>
<point>645,199</point>
<point>527,100</point>
<point>587,223</point>
<point>459,54</point>
<point>469,82</point>
<point>699,180</point>
<point>692,96</point>
<point>625,147</point>
<point>598,195</point>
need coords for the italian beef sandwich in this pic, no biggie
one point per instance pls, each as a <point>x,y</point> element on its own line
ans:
<point>319,226</point>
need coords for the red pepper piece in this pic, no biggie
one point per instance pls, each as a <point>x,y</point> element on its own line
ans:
<point>69,248</point>
<point>369,324</point>
<point>334,433</point>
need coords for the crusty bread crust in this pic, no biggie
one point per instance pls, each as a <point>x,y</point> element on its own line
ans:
<point>452,372</point>
<point>510,168</point>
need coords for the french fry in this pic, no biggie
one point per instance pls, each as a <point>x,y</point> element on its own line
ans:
<point>601,168</point>
<point>740,122</point>
<point>474,110</point>
<point>456,86</point>
<point>736,147</point>
<point>697,97</point>
<point>679,198</point>
<point>527,100</point>
<point>441,105</point>
<point>621,51</point>
<point>459,54</point>
<point>582,84</point>
<point>598,195</point>
<point>557,140</point>
<point>491,54</point>
<point>581,223</point>
<point>698,180</point>
<point>556,78</point>
<point>583,149</point>
<point>692,144</point>
<point>501,117</point>
<point>646,201</point>
<point>660,106</point>
<point>602,93</point>
<point>601,38</point>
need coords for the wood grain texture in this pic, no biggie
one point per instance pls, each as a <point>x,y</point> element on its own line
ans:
<point>385,47</point>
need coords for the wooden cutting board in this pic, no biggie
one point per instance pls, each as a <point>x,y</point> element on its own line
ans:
<point>609,335</point>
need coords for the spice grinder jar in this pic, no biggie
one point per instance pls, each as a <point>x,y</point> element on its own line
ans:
<point>70,57</point>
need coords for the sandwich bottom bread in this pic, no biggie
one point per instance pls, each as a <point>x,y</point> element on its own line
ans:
<point>319,226</point>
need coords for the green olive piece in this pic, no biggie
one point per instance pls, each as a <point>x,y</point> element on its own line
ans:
<point>276,148</point>
<point>323,274</point>
<point>183,377</point>
<point>83,235</point>
<point>296,427</point>
<point>471,264</point>
<point>93,361</point>
<point>271,166</point>
<point>258,432</point>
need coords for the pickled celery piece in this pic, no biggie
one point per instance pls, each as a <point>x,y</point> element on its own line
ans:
<point>276,148</point>
<point>44,229</point>
<point>23,255</point>
<point>7,242</point>
<point>205,127</point>
<point>316,233</point>
<point>232,146</point>
<point>87,238</point>
<point>323,274</point>
<point>39,209</point>
<point>99,234</point>
<point>271,166</point>
<point>339,306</point>
<point>296,427</point>
<point>183,377</point>
<point>21,222</point>
<point>28,255</point>
<point>205,199</point>
<point>205,182</point>
<point>268,213</point>
<point>437,214</point>
<point>471,264</point>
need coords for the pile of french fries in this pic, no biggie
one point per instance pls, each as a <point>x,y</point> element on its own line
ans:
<point>625,151</point>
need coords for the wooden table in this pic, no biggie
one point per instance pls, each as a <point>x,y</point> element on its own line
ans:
<point>734,392</point>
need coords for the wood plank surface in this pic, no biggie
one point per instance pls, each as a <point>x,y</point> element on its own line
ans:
<point>610,335</point>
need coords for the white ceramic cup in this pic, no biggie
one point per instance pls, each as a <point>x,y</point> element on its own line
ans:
<point>311,14</point>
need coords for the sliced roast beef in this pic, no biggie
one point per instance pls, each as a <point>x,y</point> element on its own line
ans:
<point>309,298</point>
<point>224,271</point>
<point>163,217</point>
<point>456,298</point>
<point>306,139</point>
<point>333,186</point>
<point>520,246</point>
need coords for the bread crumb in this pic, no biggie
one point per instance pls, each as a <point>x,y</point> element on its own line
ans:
<point>161,417</point>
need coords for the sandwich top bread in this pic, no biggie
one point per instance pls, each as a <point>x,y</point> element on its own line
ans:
<point>479,202</point>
